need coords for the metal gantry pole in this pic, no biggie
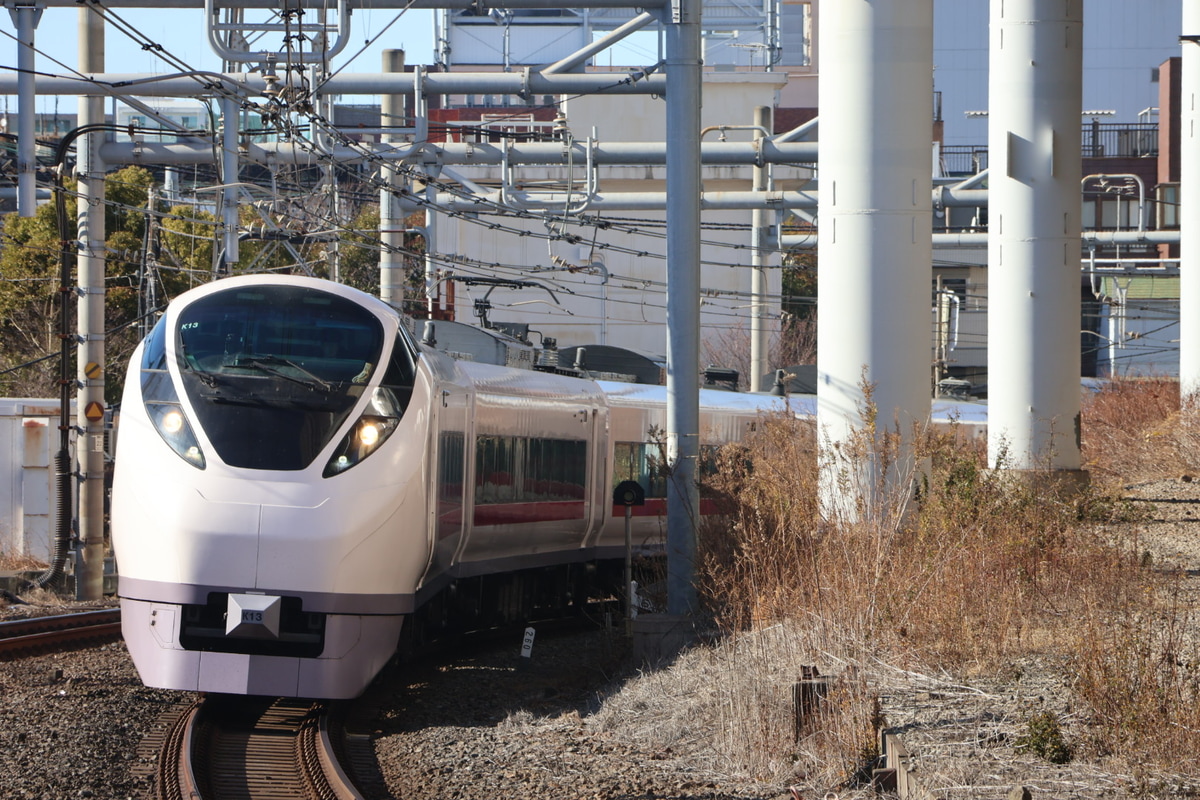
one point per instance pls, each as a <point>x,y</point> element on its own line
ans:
<point>391,214</point>
<point>683,300</point>
<point>25,18</point>
<point>1035,89</point>
<point>760,335</point>
<point>229,177</point>
<point>1189,202</point>
<point>90,358</point>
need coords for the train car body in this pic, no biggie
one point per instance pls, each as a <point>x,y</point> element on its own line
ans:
<point>295,475</point>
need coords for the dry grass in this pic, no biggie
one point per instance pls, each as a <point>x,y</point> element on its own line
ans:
<point>983,571</point>
<point>1134,431</point>
<point>19,563</point>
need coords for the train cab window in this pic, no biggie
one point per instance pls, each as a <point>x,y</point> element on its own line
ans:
<point>273,372</point>
<point>400,374</point>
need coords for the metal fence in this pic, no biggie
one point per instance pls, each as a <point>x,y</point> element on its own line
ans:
<point>1120,140</point>
<point>1100,140</point>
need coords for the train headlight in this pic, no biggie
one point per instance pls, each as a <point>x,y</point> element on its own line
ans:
<point>369,432</point>
<point>173,427</point>
<point>172,422</point>
<point>162,401</point>
<point>362,440</point>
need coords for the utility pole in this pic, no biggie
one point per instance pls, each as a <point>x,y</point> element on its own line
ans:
<point>89,556</point>
<point>683,301</point>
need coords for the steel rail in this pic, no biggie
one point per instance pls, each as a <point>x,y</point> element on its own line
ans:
<point>41,634</point>
<point>245,748</point>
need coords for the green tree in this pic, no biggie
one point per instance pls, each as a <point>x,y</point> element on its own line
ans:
<point>29,281</point>
<point>30,264</point>
<point>360,255</point>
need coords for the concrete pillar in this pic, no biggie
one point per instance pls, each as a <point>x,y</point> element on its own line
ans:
<point>683,301</point>
<point>90,354</point>
<point>875,240</point>
<point>1035,90</point>
<point>391,215</point>
<point>1189,202</point>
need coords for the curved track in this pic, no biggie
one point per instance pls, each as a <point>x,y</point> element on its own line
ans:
<point>249,748</point>
<point>23,637</point>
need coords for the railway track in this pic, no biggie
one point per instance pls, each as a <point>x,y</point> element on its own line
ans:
<point>24,637</point>
<point>226,747</point>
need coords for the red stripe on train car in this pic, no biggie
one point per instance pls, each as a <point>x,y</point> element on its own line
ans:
<point>524,513</point>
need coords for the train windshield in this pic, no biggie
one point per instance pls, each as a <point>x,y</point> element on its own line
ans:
<point>273,371</point>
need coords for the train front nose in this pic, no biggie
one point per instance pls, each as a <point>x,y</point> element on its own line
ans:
<point>261,602</point>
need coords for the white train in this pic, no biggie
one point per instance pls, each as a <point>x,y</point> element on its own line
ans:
<point>296,475</point>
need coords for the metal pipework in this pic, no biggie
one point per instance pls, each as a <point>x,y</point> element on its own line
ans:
<point>1141,223</point>
<point>381,5</point>
<point>525,83</point>
<point>603,43</point>
<point>488,154</point>
<point>213,28</point>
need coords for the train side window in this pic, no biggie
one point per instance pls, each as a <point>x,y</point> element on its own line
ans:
<point>495,463</point>
<point>641,462</point>
<point>450,467</point>
<point>518,469</point>
<point>555,469</point>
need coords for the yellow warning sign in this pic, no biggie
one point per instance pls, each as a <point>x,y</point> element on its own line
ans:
<point>92,370</point>
<point>94,411</point>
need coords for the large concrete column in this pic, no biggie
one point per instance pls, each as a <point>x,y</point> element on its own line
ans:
<point>1035,89</point>
<point>90,358</point>
<point>875,238</point>
<point>391,214</point>
<point>684,89</point>
<point>1189,202</point>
